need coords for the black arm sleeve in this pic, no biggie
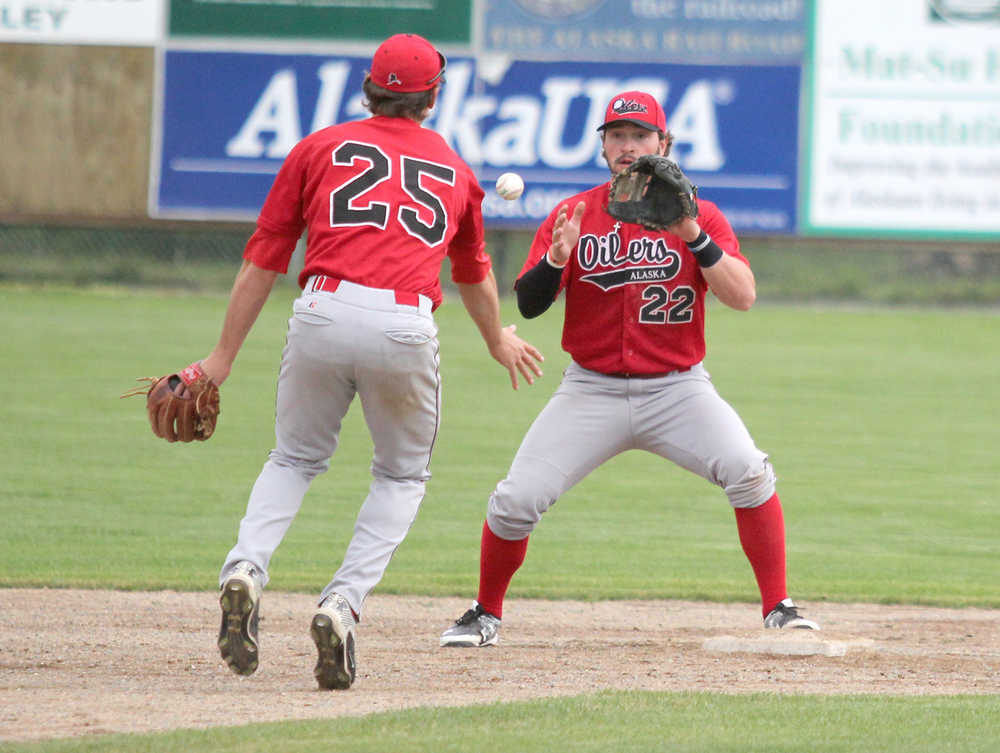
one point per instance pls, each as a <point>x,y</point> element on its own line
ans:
<point>537,288</point>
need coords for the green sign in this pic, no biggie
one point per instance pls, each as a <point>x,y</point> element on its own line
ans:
<point>441,21</point>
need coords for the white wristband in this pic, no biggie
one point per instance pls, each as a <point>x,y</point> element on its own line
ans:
<point>548,260</point>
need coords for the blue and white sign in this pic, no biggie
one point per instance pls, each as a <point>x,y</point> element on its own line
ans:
<point>229,119</point>
<point>683,31</point>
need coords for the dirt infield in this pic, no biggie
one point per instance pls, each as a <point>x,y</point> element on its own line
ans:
<point>90,662</point>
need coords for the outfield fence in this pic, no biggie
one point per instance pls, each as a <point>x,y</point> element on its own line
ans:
<point>204,257</point>
<point>192,256</point>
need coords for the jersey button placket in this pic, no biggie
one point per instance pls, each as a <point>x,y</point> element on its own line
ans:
<point>628,329</point>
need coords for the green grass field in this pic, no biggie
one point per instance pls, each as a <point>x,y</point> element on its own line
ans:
<point>619,721</point>
<point>880,422</point>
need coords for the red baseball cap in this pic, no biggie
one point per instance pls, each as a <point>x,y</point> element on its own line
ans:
<point>635,107</point>
<point>407,63</point>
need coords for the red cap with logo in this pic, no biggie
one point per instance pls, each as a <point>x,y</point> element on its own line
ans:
<point>407,63</point>
<point>635,107</point>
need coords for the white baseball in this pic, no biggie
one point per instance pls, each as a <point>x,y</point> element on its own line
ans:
<point>510,186</point>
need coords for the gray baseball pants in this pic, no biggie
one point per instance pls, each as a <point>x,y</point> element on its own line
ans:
<point>353,341</point>
<point>592,417</point>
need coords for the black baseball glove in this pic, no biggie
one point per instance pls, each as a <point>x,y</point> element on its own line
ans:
<point>652,192</point>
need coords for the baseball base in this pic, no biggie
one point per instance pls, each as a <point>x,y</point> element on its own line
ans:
<point>783,645</point>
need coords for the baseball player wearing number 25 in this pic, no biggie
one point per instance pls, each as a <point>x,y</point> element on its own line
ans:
<point>635,328</point>
<point>383,201</point>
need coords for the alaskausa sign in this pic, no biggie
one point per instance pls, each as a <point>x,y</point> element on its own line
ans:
<point>229,118</point>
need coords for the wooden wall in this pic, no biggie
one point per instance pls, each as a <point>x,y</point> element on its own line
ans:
<point>74,131</point>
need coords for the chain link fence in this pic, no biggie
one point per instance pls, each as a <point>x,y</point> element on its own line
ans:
<point>190,256</point>
<point>204,257</point>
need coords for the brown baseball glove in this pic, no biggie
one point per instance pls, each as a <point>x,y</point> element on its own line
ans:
<point>653,192</point>
<point>182,406</point>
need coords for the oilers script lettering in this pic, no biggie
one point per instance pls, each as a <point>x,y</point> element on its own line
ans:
<point>642,260</point>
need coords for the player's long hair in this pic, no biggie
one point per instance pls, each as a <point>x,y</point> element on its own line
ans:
<point>668,137</point>
<point>412,105</point>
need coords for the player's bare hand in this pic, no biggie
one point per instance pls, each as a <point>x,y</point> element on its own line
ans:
<point>686,228</point>
<point>566,233</point>
<point>517,355</point>
<point>216,368</point>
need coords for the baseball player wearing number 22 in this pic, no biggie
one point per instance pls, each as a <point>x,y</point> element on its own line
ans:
<point>635,329</point>
<point>383,201</point>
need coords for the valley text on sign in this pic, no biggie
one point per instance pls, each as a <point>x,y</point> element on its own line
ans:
<point>114,22</point>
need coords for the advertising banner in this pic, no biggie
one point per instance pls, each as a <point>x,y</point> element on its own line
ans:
<point>229,119</point>
<point>443,21</point>
<point>682,31</point>
<point>124,23</point>
<point>904,137</point>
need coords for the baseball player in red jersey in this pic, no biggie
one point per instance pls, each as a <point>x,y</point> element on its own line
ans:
<point>635,328</point>
<point>383,201</point>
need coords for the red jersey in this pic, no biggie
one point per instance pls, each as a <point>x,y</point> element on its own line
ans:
<point>383,200</point>
<point>635,298</point>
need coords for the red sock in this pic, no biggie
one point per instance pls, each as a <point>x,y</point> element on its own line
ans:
<point>499,559</point>
<point>762,535</point>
